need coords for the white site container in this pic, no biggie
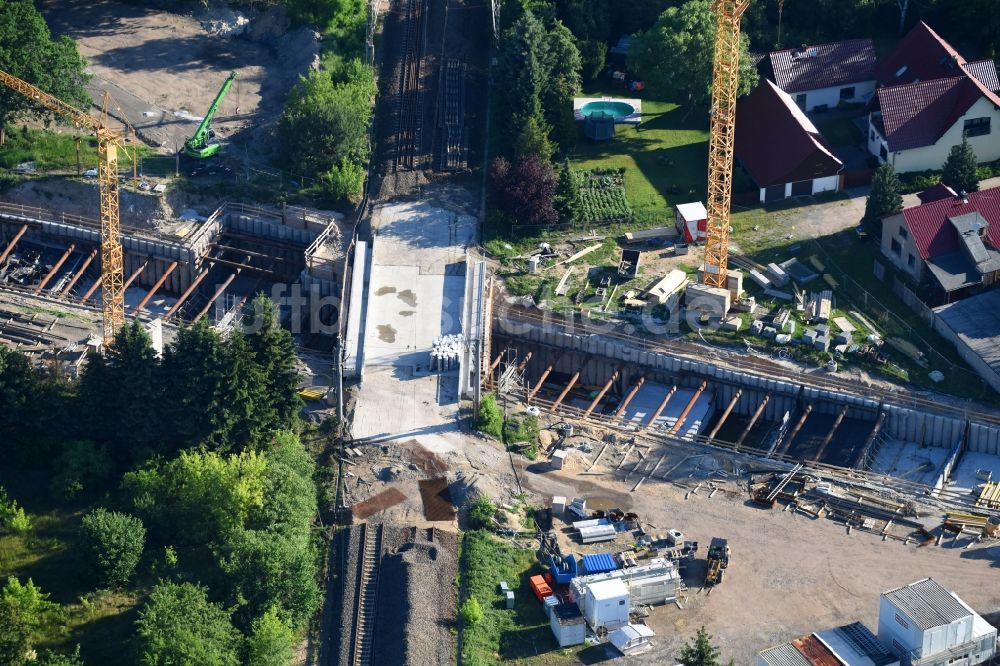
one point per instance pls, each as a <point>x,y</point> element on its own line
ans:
<point>567,625</point>
<point>606,604</point>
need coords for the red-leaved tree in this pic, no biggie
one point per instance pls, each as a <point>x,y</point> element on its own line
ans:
<point>525,191</point>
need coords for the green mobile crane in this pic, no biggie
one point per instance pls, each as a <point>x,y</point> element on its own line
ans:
<point>203,144</point>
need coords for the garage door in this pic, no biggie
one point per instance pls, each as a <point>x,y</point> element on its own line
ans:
<point>774,193</point>
<point>803,188</point>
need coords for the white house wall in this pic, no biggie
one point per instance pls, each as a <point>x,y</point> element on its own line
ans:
<point>908,247</point>
<point>987,147</point>
<point>826,184</point>
<point>830,97</point>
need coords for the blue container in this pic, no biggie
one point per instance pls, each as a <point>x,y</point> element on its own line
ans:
<point>563,570</point>
<point>600,563</point>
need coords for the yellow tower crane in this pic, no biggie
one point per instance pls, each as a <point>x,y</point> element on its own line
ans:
<point>725,70</point>
<point>108,142</point>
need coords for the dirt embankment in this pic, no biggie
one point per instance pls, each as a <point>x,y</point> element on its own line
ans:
<point>163,69</point>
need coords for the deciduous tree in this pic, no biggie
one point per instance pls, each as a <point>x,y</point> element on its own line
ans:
<point>674,56</point>
<point>525,192</point>
<point>271,641</point>
<point>28,51</point>
<point>111,544</point>
<point>180,626</point>
<point>325,124</point>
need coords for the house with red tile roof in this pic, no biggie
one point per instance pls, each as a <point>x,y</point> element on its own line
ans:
<point>949,247</point>
<point>929,96</point>
<point>823,76</point>
<point>781,149</point>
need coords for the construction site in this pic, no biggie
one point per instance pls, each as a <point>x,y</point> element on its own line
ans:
<point>662,485</point>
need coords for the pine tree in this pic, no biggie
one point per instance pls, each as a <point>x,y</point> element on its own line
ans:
<point>252,413</point>
<point>885,198</point>
<point>701,652</point>
<point>568,201</point>
<point>274,351</point>
<point>195,401</point>
<point>117,390</point>
<point>959,170</point>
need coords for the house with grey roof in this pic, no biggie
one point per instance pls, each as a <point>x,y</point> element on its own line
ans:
<point>824,76</point>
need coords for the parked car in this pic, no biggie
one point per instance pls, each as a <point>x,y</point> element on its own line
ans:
<point>90,173</point>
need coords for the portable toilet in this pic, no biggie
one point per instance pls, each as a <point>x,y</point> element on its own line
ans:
<point>692,221</point>
<point>510,599</point>
<point>606,604</point>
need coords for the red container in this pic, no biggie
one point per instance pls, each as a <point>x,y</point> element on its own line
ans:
<point>540,587</point>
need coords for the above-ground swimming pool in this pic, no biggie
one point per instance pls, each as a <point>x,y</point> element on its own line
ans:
<point>608,110</point>
<point>617,109</point>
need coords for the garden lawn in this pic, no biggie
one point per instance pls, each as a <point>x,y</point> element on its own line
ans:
<point>665,158</point>
<point>840,132</point>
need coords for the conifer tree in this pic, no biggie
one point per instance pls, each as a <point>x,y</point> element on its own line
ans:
<point>195,374</point>
<point>885,198</point>
<point>274,351</point>
<point>252,413</point>
<point>701,652</point>
<point>959,170</point>
<point>568,195</point>
<point>117,391</point>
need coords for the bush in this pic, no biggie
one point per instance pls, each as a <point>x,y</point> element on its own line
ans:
<point>490,416</point>
<point>83,468</point>
<point>344,181</point>
<point>111,544</point>
<point>472,612</point>
<point>522,429</point>
<point>12,517</point>
<point>481,513</point>
<point>271,642</point>
<point>178,625</point>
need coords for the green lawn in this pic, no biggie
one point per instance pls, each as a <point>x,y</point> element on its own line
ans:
<point>840,132</point>
<point>665,157</point>
<point>50,150</point>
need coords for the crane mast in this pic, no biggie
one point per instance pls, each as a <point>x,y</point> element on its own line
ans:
<point>108,142</point>
<point>725,71</point>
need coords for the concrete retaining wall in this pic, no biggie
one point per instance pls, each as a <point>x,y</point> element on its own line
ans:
<point>983,439</point>
<point>923,428</point>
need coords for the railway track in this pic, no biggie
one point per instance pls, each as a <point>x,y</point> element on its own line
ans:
<point>409,117</point>
<point>367,595</point>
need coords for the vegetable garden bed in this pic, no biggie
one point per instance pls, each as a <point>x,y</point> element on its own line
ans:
<point>602,192</point>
